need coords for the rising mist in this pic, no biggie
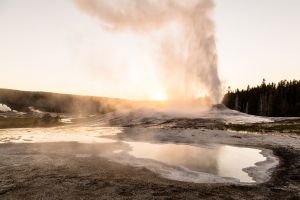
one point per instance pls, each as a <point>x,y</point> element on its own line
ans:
<point>187,51</point>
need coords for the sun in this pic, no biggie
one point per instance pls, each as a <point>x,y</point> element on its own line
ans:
<point>159,96</point>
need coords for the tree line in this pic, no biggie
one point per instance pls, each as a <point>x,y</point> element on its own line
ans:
<point>274,100</point>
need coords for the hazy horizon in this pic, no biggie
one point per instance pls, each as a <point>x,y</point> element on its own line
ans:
<point>52,46</point>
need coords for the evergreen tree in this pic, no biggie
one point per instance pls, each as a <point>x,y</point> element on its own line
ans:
<point>281,99</point>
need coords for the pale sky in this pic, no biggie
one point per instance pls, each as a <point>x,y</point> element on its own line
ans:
<point>49,45</point>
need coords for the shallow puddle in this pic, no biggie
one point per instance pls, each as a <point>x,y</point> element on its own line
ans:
<point>206,163</point>
<point>60,134</point>
<point>220,160</point>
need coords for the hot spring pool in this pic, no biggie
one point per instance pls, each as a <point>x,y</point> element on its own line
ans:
<point>199,163</point>
<point>219,160</point>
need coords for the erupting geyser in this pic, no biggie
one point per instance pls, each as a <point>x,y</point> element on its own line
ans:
<point>187,52</point>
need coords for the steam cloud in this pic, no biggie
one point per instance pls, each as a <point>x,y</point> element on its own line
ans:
<point>189,62</point>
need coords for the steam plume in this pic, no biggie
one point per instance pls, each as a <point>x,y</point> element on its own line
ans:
<point>189,62</point>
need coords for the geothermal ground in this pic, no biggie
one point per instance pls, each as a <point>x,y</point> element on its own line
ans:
<point>151,155</point>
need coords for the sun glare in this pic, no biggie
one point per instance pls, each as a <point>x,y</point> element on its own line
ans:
<point>159,96</point>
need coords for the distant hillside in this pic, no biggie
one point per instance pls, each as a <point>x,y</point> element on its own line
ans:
<point>60,103</point>
<point>281,99</point>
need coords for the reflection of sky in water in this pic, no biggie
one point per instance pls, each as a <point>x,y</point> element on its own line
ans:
<point>220,160</point>
<point>75,134</point>
<point>225,161</point>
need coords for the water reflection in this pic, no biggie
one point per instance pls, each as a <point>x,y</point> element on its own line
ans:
<point>219,160</point>
<point>225,161</point>
<point>61,134</point>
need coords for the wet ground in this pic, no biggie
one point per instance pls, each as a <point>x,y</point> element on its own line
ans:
<point>48,163</point>
<point>60,176</point>
<point>199,162</point>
